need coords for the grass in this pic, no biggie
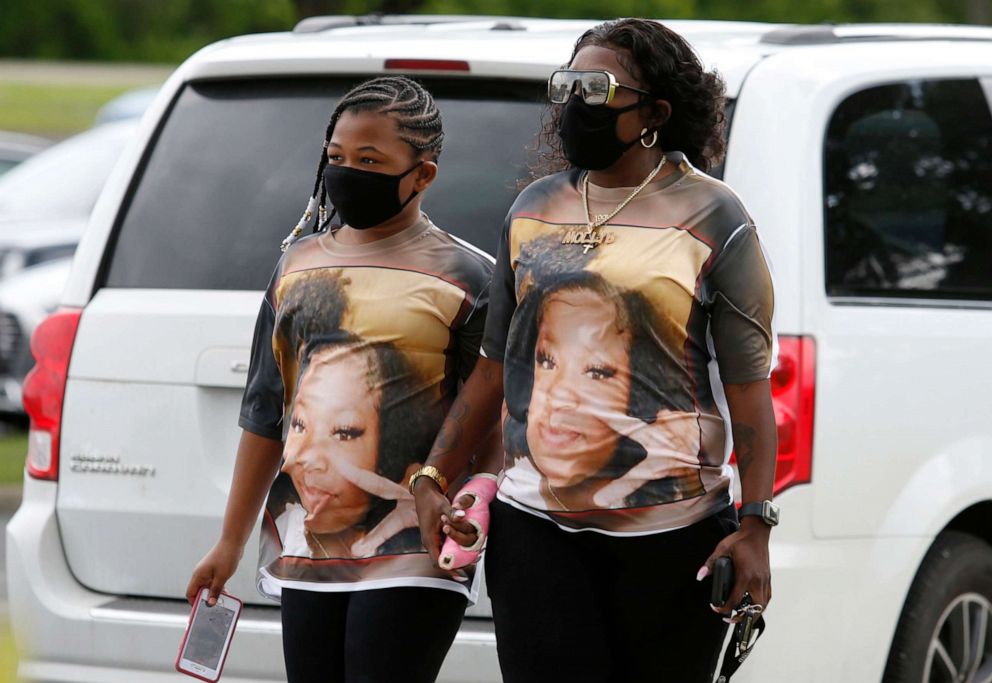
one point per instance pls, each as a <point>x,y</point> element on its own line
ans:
<point>58,99</point>
<point>52,110</point>
<point>8,654</point>
<point>13,448</point>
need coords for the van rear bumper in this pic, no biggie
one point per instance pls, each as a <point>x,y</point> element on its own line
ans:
<point>66,633</point>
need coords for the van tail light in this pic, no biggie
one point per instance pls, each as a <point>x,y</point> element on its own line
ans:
<point>44,390</point>
<point>793,384</point>
<point>427,65</point>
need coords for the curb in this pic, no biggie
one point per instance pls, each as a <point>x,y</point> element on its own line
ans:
<point>10,497</point>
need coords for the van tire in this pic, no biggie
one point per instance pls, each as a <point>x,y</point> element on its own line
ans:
<point>957,564</point>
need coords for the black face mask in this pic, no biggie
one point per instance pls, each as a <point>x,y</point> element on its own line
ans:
<point>589,134</point>
<point>365,199</point>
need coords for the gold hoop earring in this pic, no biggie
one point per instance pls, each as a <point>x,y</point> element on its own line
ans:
<point>654,139</point>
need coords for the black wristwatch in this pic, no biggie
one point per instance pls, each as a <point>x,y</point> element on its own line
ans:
<point>767,510</point>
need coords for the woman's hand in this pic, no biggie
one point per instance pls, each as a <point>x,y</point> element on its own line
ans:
<point>214,570</point>
<point>748,548</point>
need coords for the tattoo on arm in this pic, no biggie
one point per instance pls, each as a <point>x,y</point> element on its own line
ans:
<point>743,446</point>
<point>451,429</point>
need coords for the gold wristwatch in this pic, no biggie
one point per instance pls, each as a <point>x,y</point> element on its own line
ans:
<point>432,472</point>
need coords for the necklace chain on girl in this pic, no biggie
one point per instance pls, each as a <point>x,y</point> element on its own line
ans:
<point>593,236</point>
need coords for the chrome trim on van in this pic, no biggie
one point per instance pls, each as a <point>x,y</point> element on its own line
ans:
<point>895,302</point>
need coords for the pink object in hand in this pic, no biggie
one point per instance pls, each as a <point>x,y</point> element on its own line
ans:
<point>482,488</point>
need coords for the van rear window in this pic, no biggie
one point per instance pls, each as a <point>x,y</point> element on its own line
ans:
<point>234,163</point>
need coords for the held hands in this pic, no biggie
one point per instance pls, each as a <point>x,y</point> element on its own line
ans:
<point>213,571</point>
<point>432,507</point>
<point>440,518</point>
<point>748,548</point>
<point>471,508</point>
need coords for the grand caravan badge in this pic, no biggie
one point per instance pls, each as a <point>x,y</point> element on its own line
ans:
<point>107,464</point>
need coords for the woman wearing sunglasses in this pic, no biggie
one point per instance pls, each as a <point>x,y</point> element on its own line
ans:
<point>597,564</point>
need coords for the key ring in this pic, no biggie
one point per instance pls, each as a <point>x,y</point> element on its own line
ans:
<point>752,610</point>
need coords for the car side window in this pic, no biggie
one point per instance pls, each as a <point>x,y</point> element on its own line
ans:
<point>908,192</point>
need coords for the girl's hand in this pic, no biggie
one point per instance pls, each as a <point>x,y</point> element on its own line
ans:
<point>432,506</point>
<point>213,571</point>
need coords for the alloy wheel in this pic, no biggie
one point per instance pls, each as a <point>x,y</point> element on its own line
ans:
<point>960,649</point>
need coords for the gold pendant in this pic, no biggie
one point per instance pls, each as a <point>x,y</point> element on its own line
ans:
<point>589,238</point>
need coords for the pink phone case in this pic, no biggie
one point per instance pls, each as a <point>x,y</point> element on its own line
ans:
<point>189,625</point>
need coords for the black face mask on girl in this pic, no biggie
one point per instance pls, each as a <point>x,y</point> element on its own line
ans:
<point>589,134</point>
<point>365,199</point>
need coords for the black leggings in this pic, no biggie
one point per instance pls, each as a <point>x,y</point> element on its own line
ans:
<point>590,607</point>
<point>375,636</point>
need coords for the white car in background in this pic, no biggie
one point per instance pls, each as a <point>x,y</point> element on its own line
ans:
<point>17,147</point>
<point>45,204</point>
<point>865,156</point>
<point>26,298</point>
<point>62,183</point>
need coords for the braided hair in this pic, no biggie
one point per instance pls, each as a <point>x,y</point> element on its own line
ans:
<point>416,115</point>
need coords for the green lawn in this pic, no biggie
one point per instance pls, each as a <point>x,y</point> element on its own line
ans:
<point>13,448</point>
<point>58,99</point>
<point>52,110</point>
<point>8,658</point>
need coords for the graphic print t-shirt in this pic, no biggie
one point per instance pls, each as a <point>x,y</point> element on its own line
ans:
<point>616,344</point>
<point>357,353</point>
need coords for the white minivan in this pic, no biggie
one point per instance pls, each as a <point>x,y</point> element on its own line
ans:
<point>864,154</point>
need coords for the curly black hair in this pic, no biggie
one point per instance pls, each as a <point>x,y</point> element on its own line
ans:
<point>664,64</point>
<point>310,318</point>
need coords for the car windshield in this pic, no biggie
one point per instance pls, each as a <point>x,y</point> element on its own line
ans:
<point>64,180</point>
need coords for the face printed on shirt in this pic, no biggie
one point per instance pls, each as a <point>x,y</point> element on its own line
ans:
<point>334,428</point>
<point>581,377</point>
<point>358,350</point>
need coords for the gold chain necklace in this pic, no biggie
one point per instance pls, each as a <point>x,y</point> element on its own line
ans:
<point>551,490</point>
<point>602,219</point>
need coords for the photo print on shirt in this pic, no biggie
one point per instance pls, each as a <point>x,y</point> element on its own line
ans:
<point>356,431</point>
<point>584,418</point>
<point>615,356</point>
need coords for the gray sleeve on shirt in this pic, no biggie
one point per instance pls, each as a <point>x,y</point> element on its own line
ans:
<point>741,301</point>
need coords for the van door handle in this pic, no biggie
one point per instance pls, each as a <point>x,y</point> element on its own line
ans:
<point>222,367</point>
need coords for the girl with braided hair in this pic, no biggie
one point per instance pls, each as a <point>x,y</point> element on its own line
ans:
<point>630,333</point>
<point>365,332</point>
